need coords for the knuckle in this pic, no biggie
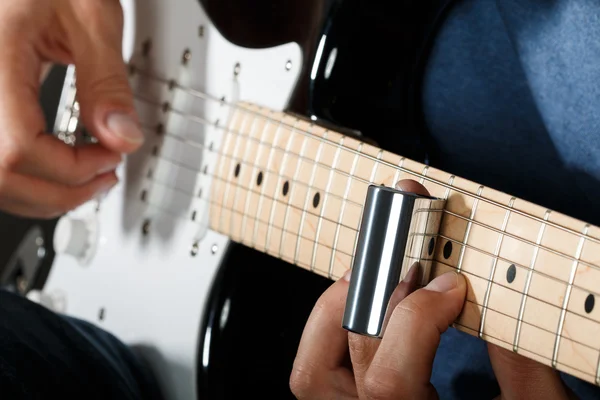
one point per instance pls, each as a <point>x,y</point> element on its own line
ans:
<point>11,154</point>
<point>303,382</point>
<point>414,318</point>
<point>109,84</point>
<point>377,386</point>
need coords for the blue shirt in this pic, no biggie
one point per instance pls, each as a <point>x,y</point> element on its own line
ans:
<point>511,100</point>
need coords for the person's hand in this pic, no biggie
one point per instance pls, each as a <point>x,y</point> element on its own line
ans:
<point>332,363</point>
<point>39,175</point>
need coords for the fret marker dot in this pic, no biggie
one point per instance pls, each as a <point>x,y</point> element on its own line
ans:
<point>286,188</point>
<point>589,303</point>
<point>431,246</point>
<point>316,200</point>
<point>447,249</point>
<point>259,178</point>
<point>237,170</point>
<point>511,273</point>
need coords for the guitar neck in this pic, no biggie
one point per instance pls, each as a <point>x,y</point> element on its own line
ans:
<point>295,191</point>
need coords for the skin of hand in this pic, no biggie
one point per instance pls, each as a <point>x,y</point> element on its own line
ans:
<point>333,363</point>
<point>40,176</point>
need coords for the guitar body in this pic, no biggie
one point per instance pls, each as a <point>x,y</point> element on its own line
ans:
<point>150,259</point>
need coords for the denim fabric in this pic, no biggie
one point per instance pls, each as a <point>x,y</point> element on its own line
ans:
<point>511,100</point>
<point>44,355</point>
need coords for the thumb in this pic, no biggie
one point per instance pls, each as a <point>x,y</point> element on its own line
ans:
<point>403,363</point>
<point>104,93</point>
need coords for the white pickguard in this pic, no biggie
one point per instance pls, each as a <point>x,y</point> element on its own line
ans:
<point>150,290</point>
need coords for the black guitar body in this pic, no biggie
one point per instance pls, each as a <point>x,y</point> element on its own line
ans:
<point>259,305</point>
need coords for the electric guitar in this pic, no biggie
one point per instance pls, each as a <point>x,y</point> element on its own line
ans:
<point>224,163</point>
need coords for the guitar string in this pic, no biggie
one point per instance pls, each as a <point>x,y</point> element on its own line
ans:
<point>493,283</point>
<point>474,333</point>
<point>524,321</point>
<point>172,84</point>
<point>201,120</point>
<point>560,227</point>
<point>244,240</point>
<point>314,243</point>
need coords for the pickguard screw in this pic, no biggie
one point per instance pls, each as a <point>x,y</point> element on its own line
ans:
<point>214,249</point>
<point>201,31</point>
<point>146,47</point>
<point>187,56</point>
<point>146,227</point>
<point>288,65</point>
<point>195,249</point>
<point>237,69</point>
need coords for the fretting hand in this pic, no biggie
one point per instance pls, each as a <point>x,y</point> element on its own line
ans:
<point>334,364</point>
<point>39,175</point>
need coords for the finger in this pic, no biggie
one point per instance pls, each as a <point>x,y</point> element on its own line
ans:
<point>35,198</point>
<point>95,34</point>
<point>49,158</point>
<point>25,148</point>
<point>402,366</point>
<point>523,378</point>
<point>364,348</point>
<point>318,370</point>
<point>411,186</point>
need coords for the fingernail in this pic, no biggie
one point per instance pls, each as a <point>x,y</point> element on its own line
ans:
<point>108,168</point>
<point>347,275</point>
<point>125,127</point>
<point>411,277</point>
<point>443,283</point>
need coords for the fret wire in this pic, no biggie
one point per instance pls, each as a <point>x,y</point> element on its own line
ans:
<point>372,178</point>
<point>254,192</point>
<point>252,165</point>
<point>515,211</point>
<point>467,273</point>
<point>232,166</point>
<point>237,187</point>
<point>263,188</point>
<point>293,190</point>
<point>286,151</point>
<point>398,169</point>
<point>424,174</point>
<point>376,166</point>
<point>443,263</point>
<point>528,282</point>
<point>493,269</point>
<point>252,175</point>
<point>598,371</point>
<point>279,179</point>
<point>342,209</point>
<point>336,158</point>
<point>218,205</point>
<point>550,250</point>
<point>567,296</point>
<point>222,161</point>
<point>520,239</point>
<point>308,192</point>
<point>458,190</point>
<point>499,312</point>
<point>528,350</point>
<point>228,138</point>
<point>468,230</point>
<point>449,188</point>
<point>458,242</point>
